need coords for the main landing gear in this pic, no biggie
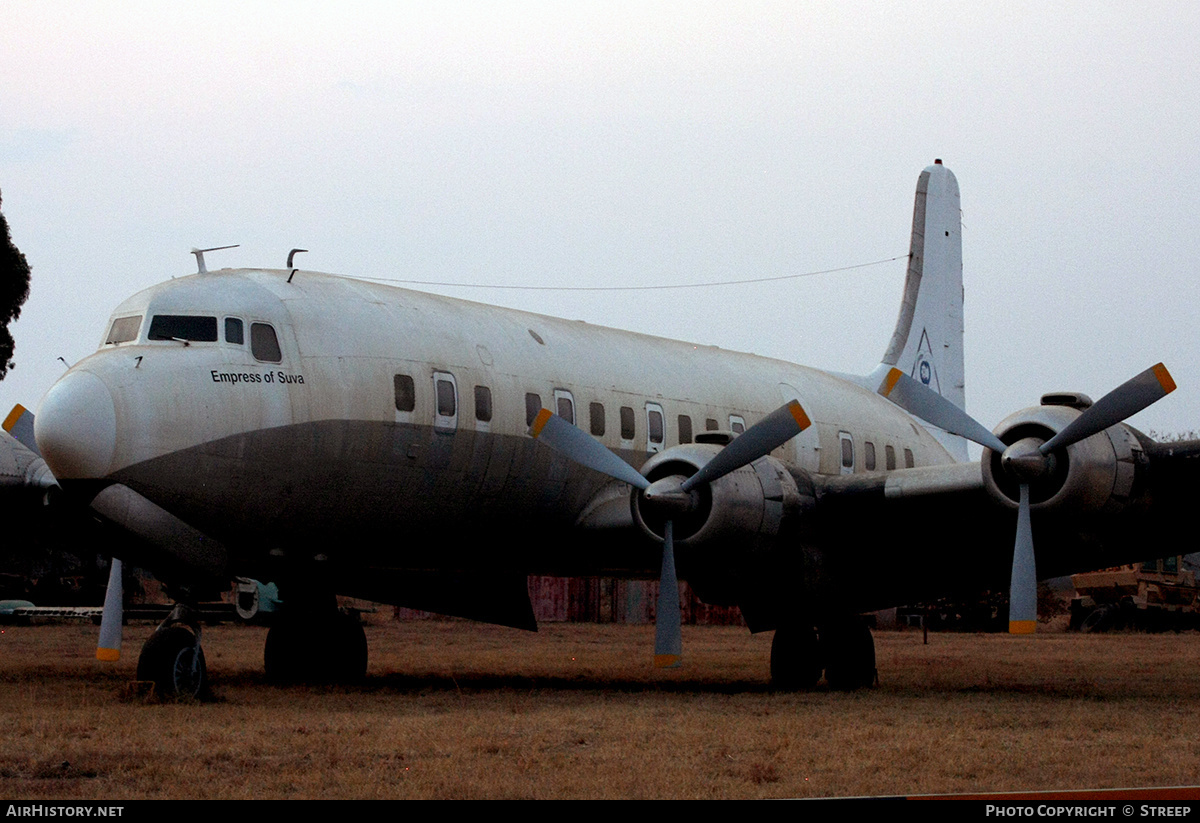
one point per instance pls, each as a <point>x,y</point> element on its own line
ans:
<point>316,646</point>
<point>844,650</point>
<point>172,658</point>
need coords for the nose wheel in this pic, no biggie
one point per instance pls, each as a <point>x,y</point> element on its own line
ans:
<point>173,660</point>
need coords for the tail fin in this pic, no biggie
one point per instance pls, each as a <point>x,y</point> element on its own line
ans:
<point>928,342</point>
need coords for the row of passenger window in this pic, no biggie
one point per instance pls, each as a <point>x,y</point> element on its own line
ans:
<point>869,463</point>
<point>264,344</point>
<point>446,397</point>
<point>627,418</point>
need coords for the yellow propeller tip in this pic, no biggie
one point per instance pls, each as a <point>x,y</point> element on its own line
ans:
<point>890,381</point>
<point>798,414</point>
<point>13,417</point>
<point>1164,378</point>
<point>539,422</point>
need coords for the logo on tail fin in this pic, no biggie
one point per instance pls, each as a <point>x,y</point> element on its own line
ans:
<point>923,367</point>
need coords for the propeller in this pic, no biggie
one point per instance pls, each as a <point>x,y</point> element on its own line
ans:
<point>109,647</point>
<point>1027,460</point>
<point>671,495</point>
<point>19,424</point>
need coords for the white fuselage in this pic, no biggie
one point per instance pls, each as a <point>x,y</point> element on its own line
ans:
<point>347,426</point>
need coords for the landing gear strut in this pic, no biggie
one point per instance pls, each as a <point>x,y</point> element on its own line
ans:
<point>172,658</point>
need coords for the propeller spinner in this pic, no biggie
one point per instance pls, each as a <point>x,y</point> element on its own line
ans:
<point>670,495</point>
<point>1028,460</point>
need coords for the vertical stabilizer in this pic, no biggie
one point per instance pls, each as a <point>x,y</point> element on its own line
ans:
<point>928,342</point>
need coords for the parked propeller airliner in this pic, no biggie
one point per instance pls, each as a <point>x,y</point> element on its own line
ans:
<point>335,436</point>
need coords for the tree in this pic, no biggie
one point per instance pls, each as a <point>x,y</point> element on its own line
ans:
<point>14,288</point>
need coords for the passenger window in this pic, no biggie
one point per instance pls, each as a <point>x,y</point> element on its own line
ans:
<point>264,345</point>
<point>533,405</point>
<point>685,429</point>
<point>869,456</point>
<point>711,425</point>
<point>445,391</point>
<point>123,330</point>
<point>446,401</point>
<point>597,414</point>
<point>655,426</point>
<point>564,405</point>
<point>889,455</point>
<point>233,331</point>
<point>406,393</point>
<point>847,452</point>
<point>483,404</point>
<point>908,459</point>
<point>183,327</point>
<point>628,429</point>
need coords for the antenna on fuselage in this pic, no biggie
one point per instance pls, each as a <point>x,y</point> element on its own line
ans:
<point>200,256</point>
<point>292,254</point>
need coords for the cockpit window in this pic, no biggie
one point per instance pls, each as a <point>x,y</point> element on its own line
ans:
<point>264,345</point>
<point>233,331</point>
<point>123,330</point>
<point>183,327</point>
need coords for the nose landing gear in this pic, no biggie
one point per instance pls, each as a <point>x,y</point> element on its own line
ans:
<point>172,658</point>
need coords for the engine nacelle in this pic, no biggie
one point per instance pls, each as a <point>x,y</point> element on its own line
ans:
<point>1099,473</point>
<point>734,518</point>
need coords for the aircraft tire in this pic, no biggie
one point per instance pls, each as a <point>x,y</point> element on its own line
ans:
<point>795,658</point>
<point>850,656</point>
<point>174,662</point>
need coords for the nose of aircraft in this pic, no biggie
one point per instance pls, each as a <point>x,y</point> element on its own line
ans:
<point>76,427</point>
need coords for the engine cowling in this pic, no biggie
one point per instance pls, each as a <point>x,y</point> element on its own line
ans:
<point>1099,473</point>
<point>729,521</point>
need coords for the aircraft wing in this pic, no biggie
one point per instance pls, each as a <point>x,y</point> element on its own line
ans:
<point>878,540</point>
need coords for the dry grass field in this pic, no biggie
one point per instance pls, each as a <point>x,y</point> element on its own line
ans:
<point>460,710</point>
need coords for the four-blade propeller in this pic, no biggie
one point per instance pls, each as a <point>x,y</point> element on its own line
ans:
<point>671,495</point>
<point>1026,460</point>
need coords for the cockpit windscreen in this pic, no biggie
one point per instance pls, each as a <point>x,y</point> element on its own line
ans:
<point>123,329</point>
<point>183,327</point>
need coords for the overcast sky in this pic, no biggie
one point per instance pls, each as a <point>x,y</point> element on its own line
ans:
<point>626,144</point>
